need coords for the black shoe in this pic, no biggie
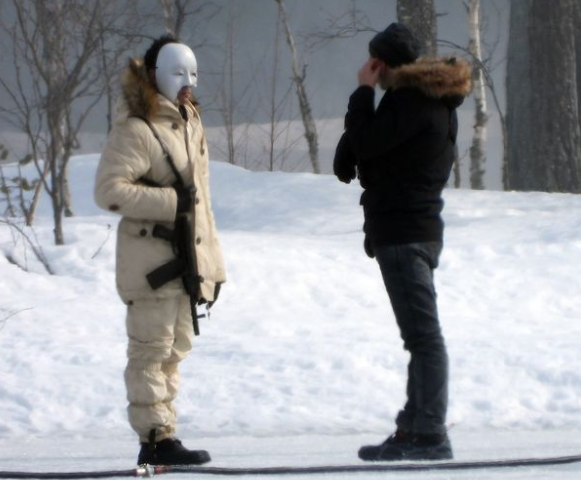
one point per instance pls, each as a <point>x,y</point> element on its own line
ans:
<point>430,447</point>
<point>171,452</point>
<point>403,446</point>
<point>392,449</point>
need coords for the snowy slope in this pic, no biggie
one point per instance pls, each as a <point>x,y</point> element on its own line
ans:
<point>301,357</point>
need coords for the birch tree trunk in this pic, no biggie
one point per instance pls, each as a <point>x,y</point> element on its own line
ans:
<point>544,135</point>
<point>272,134</point>
<point>420,16</point>
<point>299,75</point>
<point>577,28</point>
<point>49,15</point>
<point>519,94</point>
<point>227,92</point>
<point>478,147</point>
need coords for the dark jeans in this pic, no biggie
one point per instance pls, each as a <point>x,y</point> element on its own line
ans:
<point>408,274</point>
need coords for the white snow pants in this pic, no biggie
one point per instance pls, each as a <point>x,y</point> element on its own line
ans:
<point>160,335</point>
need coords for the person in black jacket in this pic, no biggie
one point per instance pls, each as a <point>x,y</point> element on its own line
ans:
<point>403,151</point>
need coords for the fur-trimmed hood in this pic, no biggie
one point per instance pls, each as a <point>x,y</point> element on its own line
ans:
<point>447,78</point>
<point>138,96</point>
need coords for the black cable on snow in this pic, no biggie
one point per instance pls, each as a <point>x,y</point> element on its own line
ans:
<point>380,467</point>
<point>150,471</point>
<point>135,472</point>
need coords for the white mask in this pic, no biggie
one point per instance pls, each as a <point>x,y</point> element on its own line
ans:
<point>176,68</point>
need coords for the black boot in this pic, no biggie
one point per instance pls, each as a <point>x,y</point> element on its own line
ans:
<point>404,446</point>
<point>430,447</point>
<point>393,448</point>
<point>170,452</point>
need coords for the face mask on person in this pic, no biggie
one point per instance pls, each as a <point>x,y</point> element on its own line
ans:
<point>176,68</point>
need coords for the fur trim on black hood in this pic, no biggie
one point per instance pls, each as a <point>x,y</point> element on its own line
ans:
<point>446,78</point>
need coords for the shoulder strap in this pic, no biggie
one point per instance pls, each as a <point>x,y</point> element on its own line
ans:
<point>165,150</point>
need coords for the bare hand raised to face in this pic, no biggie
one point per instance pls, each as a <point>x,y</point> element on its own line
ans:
<point>369,72</point>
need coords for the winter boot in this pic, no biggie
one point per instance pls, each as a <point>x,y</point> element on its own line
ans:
<point>393,448</point>
<point>404,446</point>
<point>170,452</point>
<point>430,447</point>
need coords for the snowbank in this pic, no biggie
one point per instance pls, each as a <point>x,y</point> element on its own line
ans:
<point>303,341</point>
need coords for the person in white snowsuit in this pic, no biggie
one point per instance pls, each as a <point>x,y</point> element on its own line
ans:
<point>154,171</point>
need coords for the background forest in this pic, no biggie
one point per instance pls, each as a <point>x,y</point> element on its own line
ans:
<point>281,71</point>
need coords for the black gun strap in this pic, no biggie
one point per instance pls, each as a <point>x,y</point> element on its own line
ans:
<point>165,150</point>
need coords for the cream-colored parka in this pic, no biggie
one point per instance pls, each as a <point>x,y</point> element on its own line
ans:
<point>132,155</point>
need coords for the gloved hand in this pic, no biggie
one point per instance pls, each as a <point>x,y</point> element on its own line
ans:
<point>186,196</point>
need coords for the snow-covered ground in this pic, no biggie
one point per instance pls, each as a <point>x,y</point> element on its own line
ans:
<point>301,362</point>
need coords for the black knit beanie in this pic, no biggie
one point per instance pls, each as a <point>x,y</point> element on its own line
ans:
<point>396,45</point>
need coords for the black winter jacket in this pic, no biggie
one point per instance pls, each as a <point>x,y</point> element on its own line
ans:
<point>404,149</point>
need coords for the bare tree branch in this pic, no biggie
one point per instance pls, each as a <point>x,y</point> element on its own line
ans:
<point>9,315</point>
<point>347,25</point>
<point>32,243</point>
<point>299,75</point>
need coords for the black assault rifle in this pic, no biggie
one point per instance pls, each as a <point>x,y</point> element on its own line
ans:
<point>185,264</point>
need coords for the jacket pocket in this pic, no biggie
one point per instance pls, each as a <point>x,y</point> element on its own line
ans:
<point>139,253</point>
